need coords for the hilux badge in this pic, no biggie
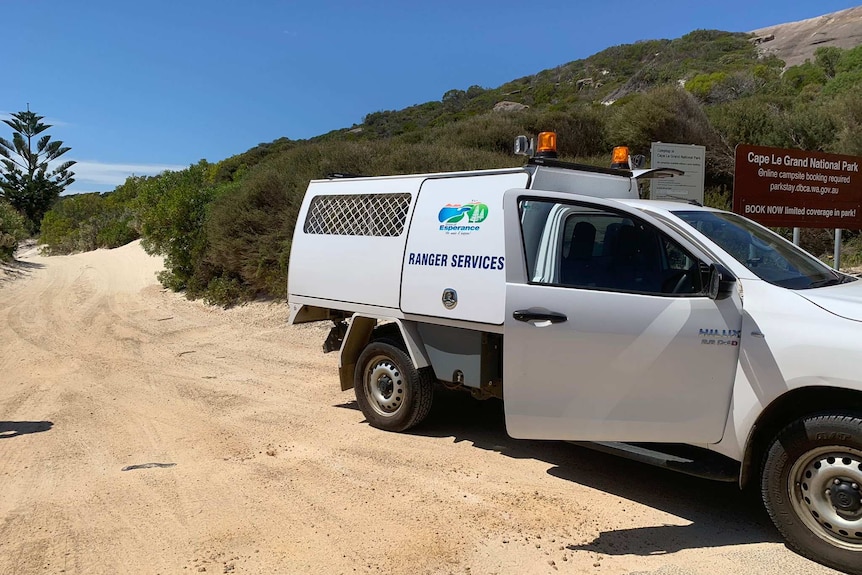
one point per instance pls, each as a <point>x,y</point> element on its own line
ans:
<point>720,337</point>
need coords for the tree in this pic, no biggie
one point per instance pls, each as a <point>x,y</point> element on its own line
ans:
<point>827,57</point>
<point>27,181</point>
<point>454,100</point>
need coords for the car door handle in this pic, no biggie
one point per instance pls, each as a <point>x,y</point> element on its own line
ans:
<point>535,315</point>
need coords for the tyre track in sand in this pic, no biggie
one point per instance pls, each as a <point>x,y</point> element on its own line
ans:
<point>275,469</point>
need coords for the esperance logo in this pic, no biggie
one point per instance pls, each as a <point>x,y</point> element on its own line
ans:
<point>475,212</point>
<point>462,219</point>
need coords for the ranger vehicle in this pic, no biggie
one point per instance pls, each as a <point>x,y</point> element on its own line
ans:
<point>673,333</point>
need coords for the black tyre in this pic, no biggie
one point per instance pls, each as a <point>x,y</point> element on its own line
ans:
<point>812,488</point>
<point>392,394</point>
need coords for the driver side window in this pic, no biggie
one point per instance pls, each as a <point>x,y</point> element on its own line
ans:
<point>595,249</point>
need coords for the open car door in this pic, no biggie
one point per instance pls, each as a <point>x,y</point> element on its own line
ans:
<point>609,332</point>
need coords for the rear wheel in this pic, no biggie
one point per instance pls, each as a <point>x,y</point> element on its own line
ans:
<point>392,394</point>
<point>812,488</point>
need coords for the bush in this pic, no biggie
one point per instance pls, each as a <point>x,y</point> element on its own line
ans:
<point>849,109</point>
<point>225,292</point>
<point>702,85</point>
<point>85,222</point>
<point>663,115</point>
<point>580,132</point>
<point>804,74</point>
<point>807,127</point>
<point>72,224</point>
<point>248,229</point>
<point>248,235</point>
<point>748,121</point>
<point>718,197</point>
<point>852,252</point>
<point>171,211</point>
<point>13,229</point>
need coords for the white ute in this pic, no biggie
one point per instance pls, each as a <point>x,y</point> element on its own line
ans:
<point>716,346</point>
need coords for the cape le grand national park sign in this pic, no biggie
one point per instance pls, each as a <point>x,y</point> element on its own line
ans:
<point>794,188</point>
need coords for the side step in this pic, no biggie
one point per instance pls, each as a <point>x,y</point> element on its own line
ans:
<point>674,456</point>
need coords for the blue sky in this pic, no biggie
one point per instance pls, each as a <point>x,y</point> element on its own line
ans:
<point>139,87</point>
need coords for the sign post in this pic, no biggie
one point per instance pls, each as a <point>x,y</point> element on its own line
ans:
<point>686,157</point>
<point>796,188</point>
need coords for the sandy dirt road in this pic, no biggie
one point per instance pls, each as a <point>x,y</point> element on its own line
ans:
<point>273,469</point>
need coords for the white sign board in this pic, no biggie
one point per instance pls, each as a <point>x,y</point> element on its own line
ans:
<point>686,157</point>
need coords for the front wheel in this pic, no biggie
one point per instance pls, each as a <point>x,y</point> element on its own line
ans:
<point>392,394</point>
<point>812,487</point>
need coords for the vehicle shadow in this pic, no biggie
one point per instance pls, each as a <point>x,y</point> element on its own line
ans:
<point>15,428</point>
<point>348,405</point>
<point>720,514</point>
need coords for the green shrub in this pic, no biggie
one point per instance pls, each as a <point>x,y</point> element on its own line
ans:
<point>247,233</point>
<point>225,292</point>
<point>804,74</point>
<point>248,228</point>
<point>581,131</point>
<point>13,229</point>
<point>848,60</point>
<point>702,85</point>
<point>848,108</point>
<point>85,222</point>
<point>72,224</point>
<point>843,82</point>
<point>718,197</point>
<point>117,232</point>
<point>851,255</point>
<point>662,115</point>
<point>171,212</point>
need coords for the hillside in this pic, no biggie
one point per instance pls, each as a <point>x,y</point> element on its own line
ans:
<point>796,42</point>
<point>602,78</point>
<point>225,228</point>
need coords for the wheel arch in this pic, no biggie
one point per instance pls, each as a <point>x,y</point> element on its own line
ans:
<point>784,410</point>
<point>364,329</point>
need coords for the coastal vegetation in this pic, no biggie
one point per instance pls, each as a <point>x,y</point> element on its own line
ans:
<point>225,227</point>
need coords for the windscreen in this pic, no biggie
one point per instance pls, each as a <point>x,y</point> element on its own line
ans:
<point>766,254</point>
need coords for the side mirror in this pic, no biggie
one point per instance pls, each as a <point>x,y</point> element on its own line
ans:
<point>721,282</point>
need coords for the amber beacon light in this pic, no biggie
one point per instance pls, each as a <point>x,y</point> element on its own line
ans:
<point>547,145</point>
<point>620,159</point>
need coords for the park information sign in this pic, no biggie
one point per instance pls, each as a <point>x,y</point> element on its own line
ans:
<point>688,158</point>
<point>793,188</point>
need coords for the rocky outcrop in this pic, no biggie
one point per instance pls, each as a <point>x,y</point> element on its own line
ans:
<point>506,106</point>
<point>796,42</point>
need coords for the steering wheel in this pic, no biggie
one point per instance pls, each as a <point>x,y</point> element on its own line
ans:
<point>682,282</point>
